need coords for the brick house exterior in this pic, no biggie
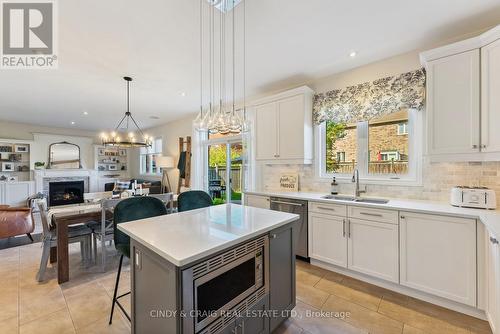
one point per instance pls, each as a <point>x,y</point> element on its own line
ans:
<point>385,145</point>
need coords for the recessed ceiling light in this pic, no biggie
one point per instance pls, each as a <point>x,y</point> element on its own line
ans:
<point>183,94</point>
<point>85,113</point>
<point>353,54</point>
<point>154,117</point>
<point>72,123</point>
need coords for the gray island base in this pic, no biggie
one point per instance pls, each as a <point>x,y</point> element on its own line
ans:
<point>223,269</point>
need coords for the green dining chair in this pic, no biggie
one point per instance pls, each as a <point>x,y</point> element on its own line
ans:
<point>194,199</point>
<point>128,210</point>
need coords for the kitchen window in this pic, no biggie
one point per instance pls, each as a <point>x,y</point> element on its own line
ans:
<point>148,156</point>
<point>402,129</point>
<point>384,149</point>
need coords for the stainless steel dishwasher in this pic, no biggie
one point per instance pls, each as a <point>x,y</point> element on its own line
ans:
<point>300,208</point>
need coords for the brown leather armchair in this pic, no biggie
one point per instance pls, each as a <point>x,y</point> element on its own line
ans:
<point>15,221</point>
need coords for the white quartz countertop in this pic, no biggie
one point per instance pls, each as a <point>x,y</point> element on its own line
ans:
<point>490,218</point>
<point>185,237</point>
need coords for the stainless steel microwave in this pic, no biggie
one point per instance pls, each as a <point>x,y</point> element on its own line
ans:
<point>213,288</point>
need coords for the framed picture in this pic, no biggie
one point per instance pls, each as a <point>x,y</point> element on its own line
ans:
<point>7,167</point>
<point>289,182</point>
<point>21,148</point>
<point>4,156</point>
<point>4,148</point>
<point>101,151</point>
<point>123,153</point>
<point>112,167</point>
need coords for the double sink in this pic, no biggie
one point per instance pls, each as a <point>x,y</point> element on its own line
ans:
<point>356,199</point>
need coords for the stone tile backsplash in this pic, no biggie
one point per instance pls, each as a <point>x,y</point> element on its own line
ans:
<point>437,179</point>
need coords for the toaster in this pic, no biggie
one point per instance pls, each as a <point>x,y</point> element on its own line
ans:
<point>473,197</point>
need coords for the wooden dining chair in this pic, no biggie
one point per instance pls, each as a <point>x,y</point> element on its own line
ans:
<point>76,233</point>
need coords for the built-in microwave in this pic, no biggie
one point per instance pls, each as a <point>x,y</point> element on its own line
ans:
<point>213,288</point>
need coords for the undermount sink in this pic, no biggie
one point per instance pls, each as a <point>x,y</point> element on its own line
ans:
<point>372,200</point>
<point>354,199</point>
<point>339,197</point>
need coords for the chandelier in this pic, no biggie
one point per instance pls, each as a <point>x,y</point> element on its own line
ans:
<point>218,113</point>
<point>123,136</point>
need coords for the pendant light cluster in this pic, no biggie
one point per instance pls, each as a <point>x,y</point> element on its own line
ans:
<point>218,114</point>
<point>123,136</point>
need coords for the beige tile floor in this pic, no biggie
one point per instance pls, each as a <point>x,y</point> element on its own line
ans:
<point>326,302</point>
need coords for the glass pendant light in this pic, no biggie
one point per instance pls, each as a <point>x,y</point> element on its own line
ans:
<point>218,118</point>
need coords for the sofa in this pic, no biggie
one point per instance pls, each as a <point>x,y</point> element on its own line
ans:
<point>15,221</point>
<point>154,186</point>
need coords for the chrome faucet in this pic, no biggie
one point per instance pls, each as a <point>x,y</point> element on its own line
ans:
<point>355,179</point>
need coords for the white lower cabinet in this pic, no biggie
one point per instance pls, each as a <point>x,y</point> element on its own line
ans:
<point>493,281</point>
<point>327,239</point>
<point>257,201</point>
<point>438,256</point>
<point>373,249</point>
<point>16,193</point>
<point>368,247</point>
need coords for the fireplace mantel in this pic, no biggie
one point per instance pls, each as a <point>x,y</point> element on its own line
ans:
<point>41,174</point>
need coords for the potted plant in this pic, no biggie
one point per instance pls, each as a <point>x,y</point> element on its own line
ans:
<point>39,165</point>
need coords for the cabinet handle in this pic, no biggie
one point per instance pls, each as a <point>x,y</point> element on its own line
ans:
<point>402,217</point>
<point>287,203</point>
<point>328,209</point>
<point>474,146</point>
<point>493,240</point>
<point>349,228</point>
<point>483,146</point>
<point>242,326</point>
<point>274,236</point>
<point>371,214</point>
<point>343,228</point>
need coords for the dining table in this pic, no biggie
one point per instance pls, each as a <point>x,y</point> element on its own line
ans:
<point>61,220</point>
<point>98,210</point>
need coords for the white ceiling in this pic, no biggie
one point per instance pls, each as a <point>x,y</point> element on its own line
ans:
<point>156,41</point>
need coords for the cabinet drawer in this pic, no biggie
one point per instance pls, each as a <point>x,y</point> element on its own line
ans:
<point>378,215</point>
<point>328,208</point>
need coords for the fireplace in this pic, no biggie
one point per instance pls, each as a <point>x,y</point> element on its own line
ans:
<point>67,192</point>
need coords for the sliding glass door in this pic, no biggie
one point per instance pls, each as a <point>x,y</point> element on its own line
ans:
<point>224,169</point>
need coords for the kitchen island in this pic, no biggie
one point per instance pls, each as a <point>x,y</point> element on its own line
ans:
<point>222,269</point>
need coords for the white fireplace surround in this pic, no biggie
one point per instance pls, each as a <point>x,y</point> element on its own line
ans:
<point>42,176</point>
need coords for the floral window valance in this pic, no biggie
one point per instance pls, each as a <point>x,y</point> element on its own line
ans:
<point>371,99</point>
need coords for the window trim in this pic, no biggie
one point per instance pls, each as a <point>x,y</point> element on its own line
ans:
<point>415,144</point>
<point>159,153</point>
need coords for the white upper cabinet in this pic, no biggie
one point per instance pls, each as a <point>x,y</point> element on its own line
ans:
<point>283,127</point>
<point>266,125</point>
<point>462,107</point>
<point>453,104</point>
<point>490,97</point>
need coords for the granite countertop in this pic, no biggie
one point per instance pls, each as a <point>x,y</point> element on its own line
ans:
<point>185,237</point>
<point>490,218</point>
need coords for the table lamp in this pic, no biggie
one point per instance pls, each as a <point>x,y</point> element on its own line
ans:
<point>165,163</point>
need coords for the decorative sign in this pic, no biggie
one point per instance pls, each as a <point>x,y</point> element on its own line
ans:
<point>289,182</point>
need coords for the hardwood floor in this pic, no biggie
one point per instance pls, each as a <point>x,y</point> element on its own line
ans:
<point>326,302</point>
